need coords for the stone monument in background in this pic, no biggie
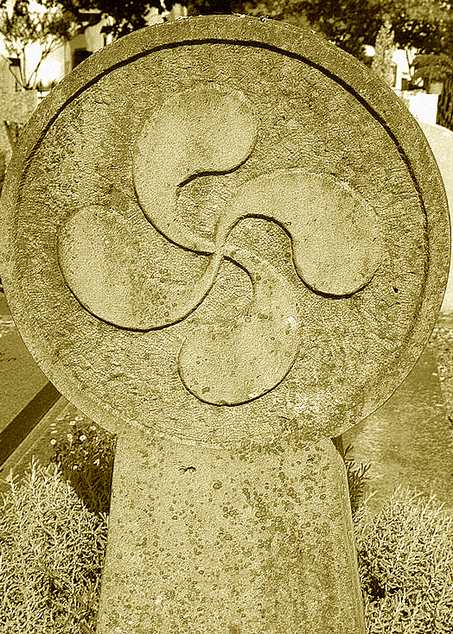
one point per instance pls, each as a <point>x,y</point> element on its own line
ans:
<point>15,110</point>
<point>227,242</point>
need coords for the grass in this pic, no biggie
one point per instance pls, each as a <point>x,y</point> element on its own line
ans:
<point>53,533</point>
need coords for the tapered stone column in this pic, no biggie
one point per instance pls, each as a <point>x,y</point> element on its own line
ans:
<point>220,541</point>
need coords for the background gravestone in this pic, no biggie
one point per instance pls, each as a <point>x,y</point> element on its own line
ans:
<point>409,440</point>
<point>228,243</point>
<point>441,143</point>
<point>15,110</point>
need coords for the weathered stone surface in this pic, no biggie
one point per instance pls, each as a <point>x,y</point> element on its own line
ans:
<point>18,106</point>
<point>234,543</point>
<point>441,143</point>
<point>15,109</point>
<point>226,242</point>
<point>196,246</point>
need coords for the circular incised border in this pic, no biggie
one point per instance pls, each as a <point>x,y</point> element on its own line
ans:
<point>298,44</point>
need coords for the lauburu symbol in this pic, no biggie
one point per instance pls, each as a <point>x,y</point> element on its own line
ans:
<point>333,233</point>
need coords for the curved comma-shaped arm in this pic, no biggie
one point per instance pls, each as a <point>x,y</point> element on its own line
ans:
<point>333,232</point>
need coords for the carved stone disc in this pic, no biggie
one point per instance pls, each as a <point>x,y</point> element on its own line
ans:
<point>224,229</point>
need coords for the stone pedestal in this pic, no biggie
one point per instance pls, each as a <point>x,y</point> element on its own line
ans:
<point>226,542</point>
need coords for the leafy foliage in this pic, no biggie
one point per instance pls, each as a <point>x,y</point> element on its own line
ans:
<point>382,60</point>
<point>445,105</point>
<point>350,24</point>
<point>52,547</point>
<point>84,457</point>
<point>422,24</point>
<point>124,17</point>
<point>433,67</point>
<point>47,24</point>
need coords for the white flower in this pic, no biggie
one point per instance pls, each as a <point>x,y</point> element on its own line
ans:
<point>82,437</point>
<point>53,441</point>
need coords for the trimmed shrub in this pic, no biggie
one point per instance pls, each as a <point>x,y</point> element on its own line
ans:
<point>52,546</point>
<point>51,553</point>
<point>406,565</point>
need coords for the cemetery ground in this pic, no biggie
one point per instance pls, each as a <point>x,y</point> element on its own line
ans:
<point>54,515</point>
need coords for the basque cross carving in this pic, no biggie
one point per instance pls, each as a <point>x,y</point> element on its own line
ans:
<point>335,246</point>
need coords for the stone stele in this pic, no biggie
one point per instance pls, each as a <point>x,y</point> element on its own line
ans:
<point>15,108</point>
<point>227,242</point>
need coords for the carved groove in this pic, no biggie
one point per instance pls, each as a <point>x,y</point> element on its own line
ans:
<point>335,246</point>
